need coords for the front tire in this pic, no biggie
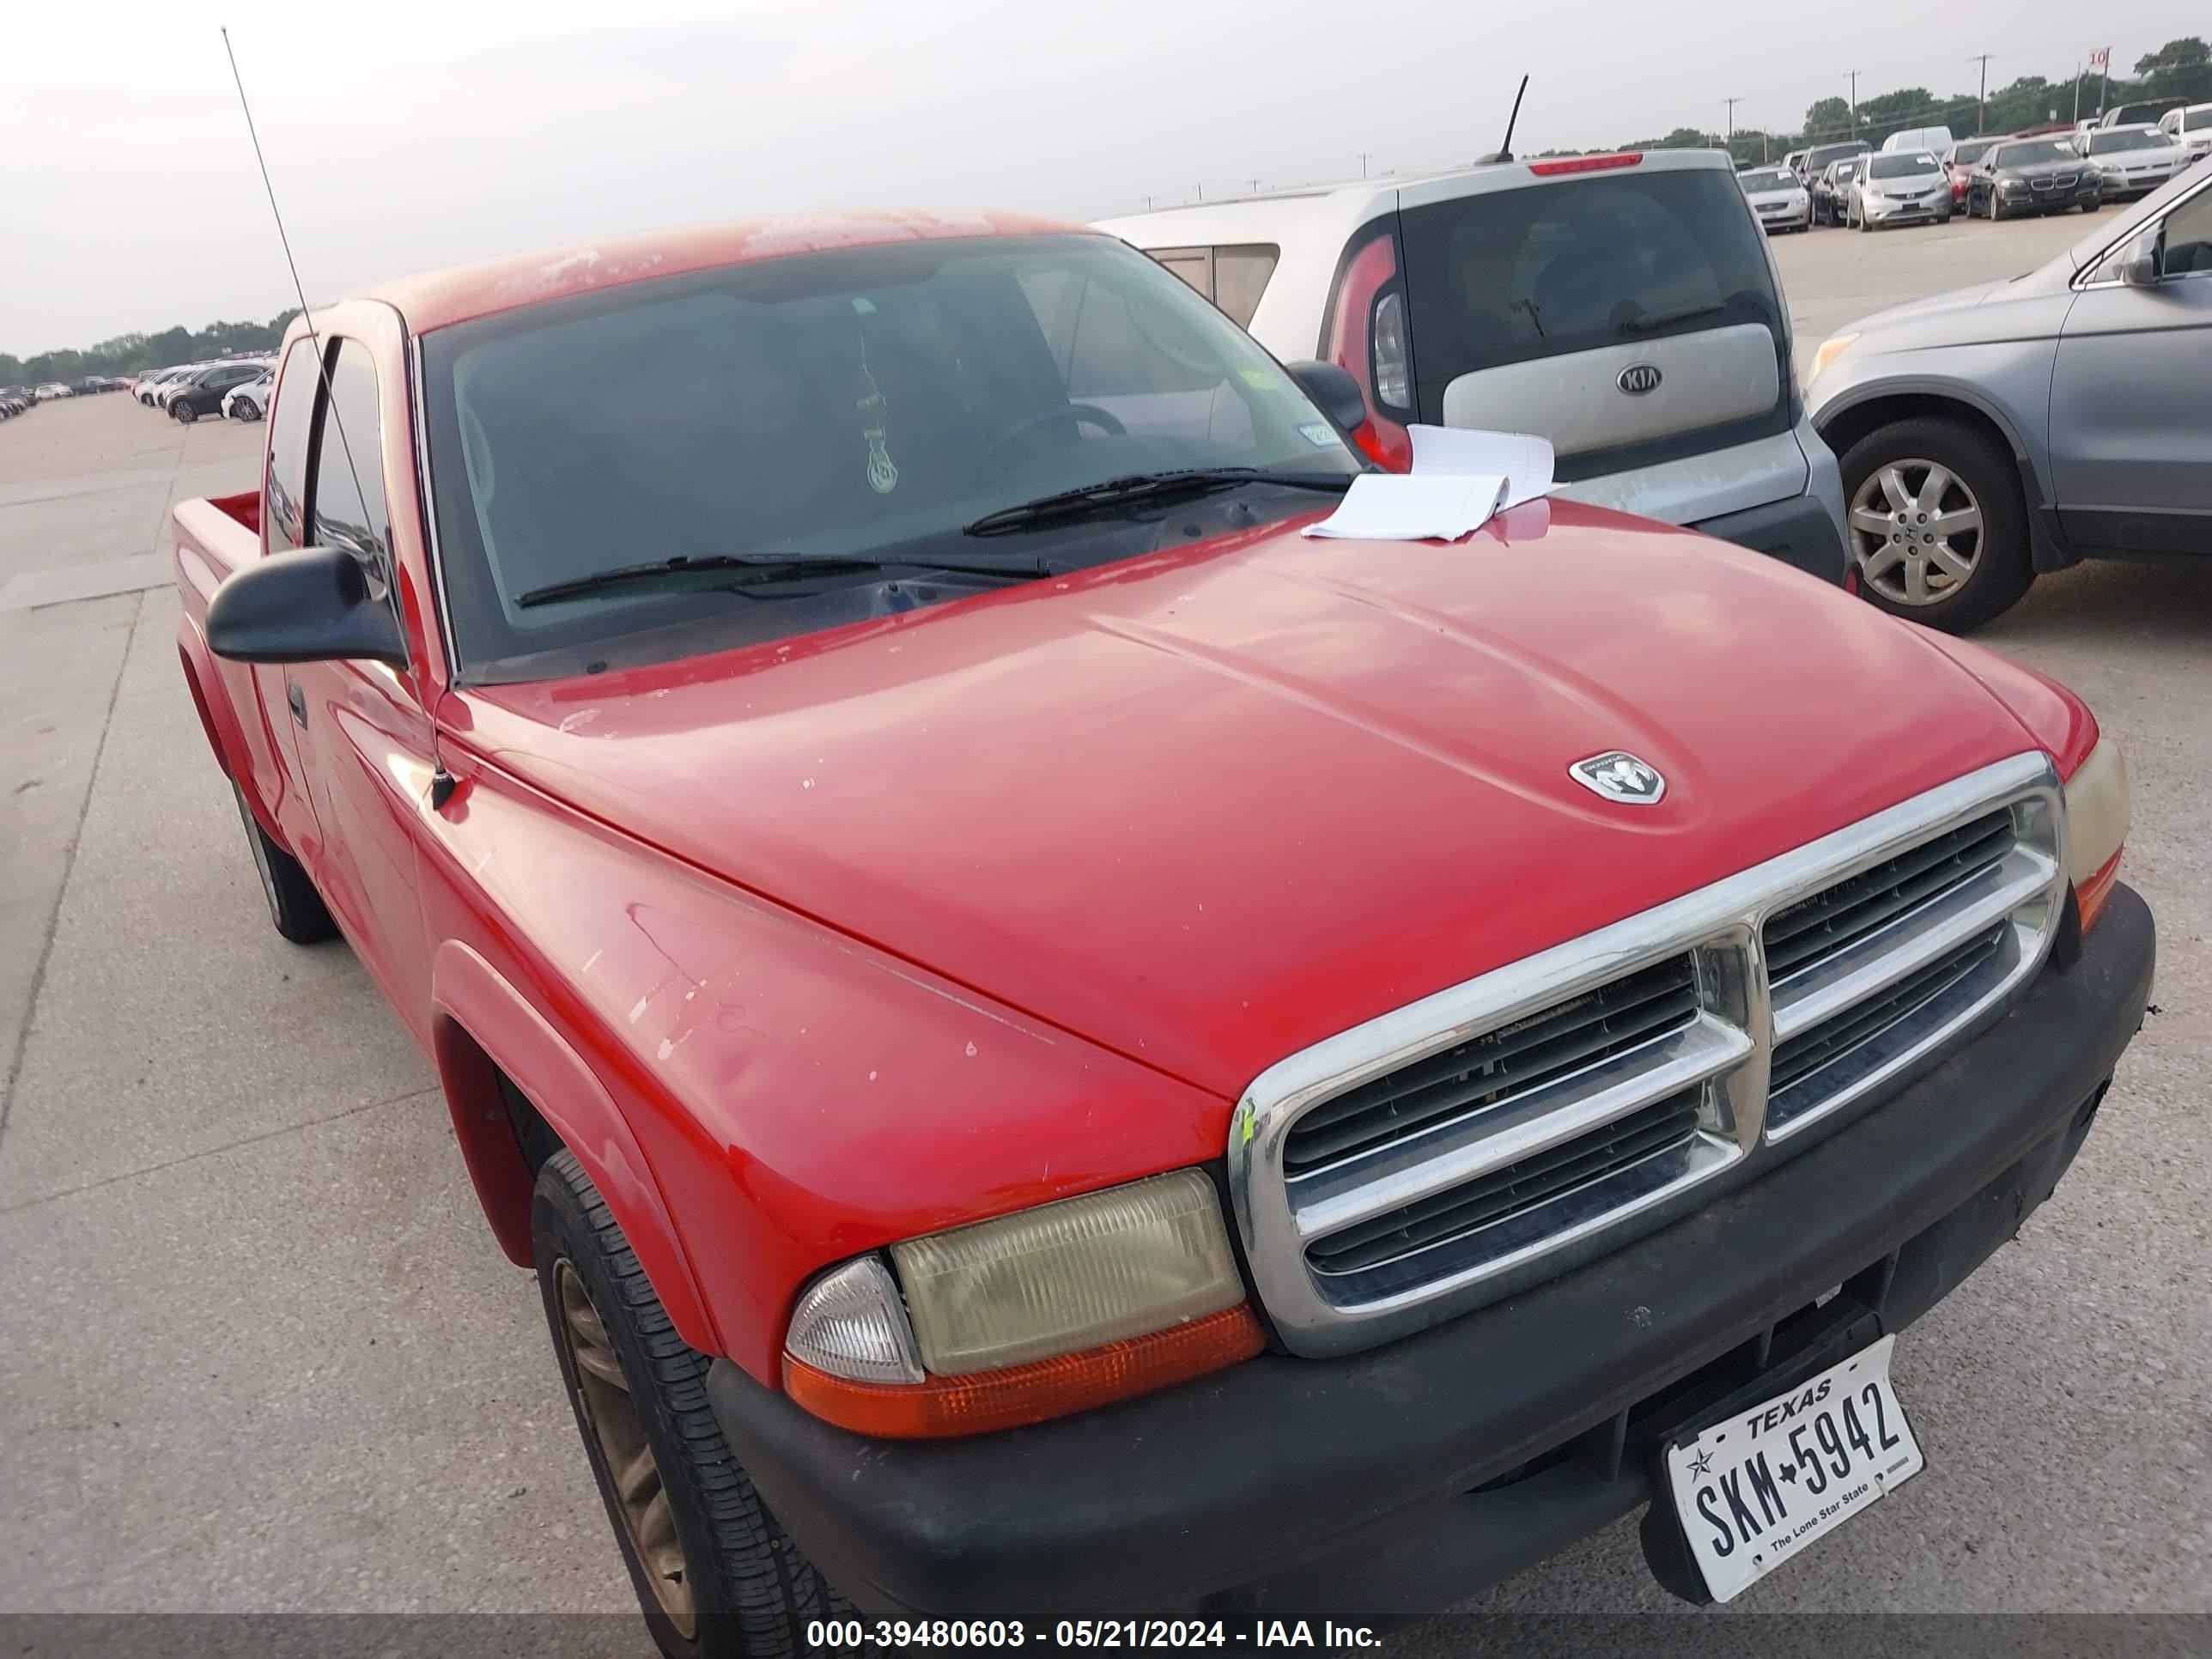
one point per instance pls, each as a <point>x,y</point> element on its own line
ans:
<point>295,908</point>
<point>1936,525</point>
<point>184,412</point>
<point>714,1573</point>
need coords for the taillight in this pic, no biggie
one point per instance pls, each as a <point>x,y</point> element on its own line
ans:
<point>1586,164</point>
<point>1368,336</point>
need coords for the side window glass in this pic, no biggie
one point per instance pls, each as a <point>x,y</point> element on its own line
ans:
<point>1191,264</point>
<point>285,486</point>
<point>349,502</point>
<point>1240,277</point>
<point>2188,247</point>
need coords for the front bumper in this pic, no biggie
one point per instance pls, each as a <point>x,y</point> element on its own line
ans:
<point>1905,213</point>
<point>1411,1475</point>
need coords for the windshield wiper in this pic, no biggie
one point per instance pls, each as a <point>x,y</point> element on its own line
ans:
<point>1643,323</point>
<point>1147,487</point>
<point>760,569</point>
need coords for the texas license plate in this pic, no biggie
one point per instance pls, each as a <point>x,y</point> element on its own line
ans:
<point>1756,1490</point>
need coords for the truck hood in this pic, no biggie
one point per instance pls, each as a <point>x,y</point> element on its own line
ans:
<point>1209,806</point>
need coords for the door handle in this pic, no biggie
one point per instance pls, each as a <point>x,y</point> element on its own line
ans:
<point>298,699</point>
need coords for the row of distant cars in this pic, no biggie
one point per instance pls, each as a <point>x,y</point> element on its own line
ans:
<point>15,399</point>
<point>1925,176</point>
<point>233,388</point>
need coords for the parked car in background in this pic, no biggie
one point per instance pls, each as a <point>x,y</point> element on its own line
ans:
<point>1625,307</point>
<point>1934,140</point>
<point>2144,114</point>
<point>1778,196</point>
<point>2132,161</point>
<point>1828,189</point>
<point>1790,164</point>
<point>1010,1204</point>
<point>2033,175</point>
<point>249,401</point>
<point>2019,426</point>
<point>1898,187</point>
<point>13,402</point>
<point>52,389</point>
<point>1818,159</point>
<point>1959,165</point>
<point>149,387</point>
<point>2190,128</point>
<point>203,393</point>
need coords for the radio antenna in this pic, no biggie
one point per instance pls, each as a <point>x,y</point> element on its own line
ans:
<point>1504,151</point>
<point>322,365</point>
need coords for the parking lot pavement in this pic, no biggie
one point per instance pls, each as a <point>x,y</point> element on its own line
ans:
<point>258,1352</point>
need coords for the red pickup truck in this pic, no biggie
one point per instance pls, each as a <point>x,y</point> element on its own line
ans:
<point>1058,1046</point>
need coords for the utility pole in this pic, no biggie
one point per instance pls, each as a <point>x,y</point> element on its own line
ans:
<point>1731,103</point>
<point>1149,200</point>
<point>1255,186</point>
<point>1854,74</point>
<point>2104,77</point>
<point>1982,115</point>
<point>1362,164</point>
<point>2077,89</point>
<point>1200,189</point>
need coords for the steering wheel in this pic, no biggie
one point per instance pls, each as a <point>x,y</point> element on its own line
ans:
<point>1082,413</point>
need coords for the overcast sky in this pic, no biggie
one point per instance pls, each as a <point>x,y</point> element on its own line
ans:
<point>410,133</point>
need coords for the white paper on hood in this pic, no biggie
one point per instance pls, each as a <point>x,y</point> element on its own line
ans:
<point>1399,506</point>
<point>1521,458</point>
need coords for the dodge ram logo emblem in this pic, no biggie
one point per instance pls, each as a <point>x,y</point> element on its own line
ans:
<point>1637,378</point>
<point>1620,777</point>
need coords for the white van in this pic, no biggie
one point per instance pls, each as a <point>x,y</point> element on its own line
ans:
<point>1625,307</point>
<point>1934,140</point>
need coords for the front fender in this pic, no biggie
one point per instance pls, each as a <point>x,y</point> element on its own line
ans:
<point>2028,448</point>
<point>478,1022</point>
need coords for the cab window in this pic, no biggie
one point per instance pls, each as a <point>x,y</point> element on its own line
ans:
<point>285,485</point>
<point>349,510</point>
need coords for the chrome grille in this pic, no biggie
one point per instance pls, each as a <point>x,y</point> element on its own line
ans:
<point>1503,1131</point>
<point>1493,1070</point>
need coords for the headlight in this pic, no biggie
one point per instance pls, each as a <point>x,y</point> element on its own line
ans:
<point>1830,348</point>
<point>2096,826</point>
<point>1031,1315</point>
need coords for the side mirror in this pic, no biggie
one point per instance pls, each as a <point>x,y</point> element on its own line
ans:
<point>311,605</point>
<point>1334,390</point>
<point>2139,262</point>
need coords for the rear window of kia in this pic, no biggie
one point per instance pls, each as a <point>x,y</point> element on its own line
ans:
<point>1576,265</point>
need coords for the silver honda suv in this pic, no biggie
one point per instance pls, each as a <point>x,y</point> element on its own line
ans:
<point>2022,426</point>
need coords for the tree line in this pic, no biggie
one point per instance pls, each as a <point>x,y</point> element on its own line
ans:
<point>134,354</point>
<point>2180,68</point>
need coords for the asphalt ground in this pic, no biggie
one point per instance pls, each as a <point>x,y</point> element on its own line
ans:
<point>257,1352</point>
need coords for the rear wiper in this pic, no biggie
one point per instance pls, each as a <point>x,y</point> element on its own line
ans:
<point>1145,487</point>
<point>1645,322</point>
<point>759,569</point>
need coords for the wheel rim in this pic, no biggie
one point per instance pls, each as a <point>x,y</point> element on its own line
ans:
<point>1916,531</point>
<point>641,1498</point>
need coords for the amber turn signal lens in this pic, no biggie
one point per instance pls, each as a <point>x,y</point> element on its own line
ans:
<point>984,1401</point>
<point>2090,894</point>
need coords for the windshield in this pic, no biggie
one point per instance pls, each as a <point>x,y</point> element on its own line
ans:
<point>1967,155</point>
<point>861,405</point>
<point>1766,178</point>
<point>2035,153</point>
<point>2104,143</point>
<point>1901,165</point>
<point>1823,156</point>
